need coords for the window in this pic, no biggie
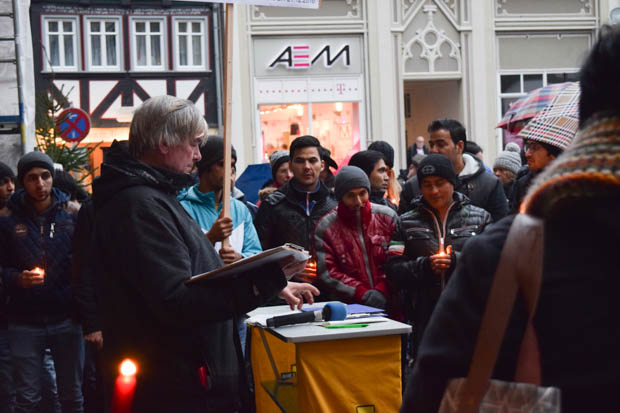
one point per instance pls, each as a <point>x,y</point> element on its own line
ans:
<point>335,124</point>
<point>148,44</point>
<point>103,44</point>
<point>60,36</point>
<point>190,41</point>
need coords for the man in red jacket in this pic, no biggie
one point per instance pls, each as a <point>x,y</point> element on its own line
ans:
<point>351,243</point>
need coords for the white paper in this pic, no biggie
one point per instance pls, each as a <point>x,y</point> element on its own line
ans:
<point>304,4</point>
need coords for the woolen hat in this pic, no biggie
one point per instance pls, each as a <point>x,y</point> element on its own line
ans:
<point>386,149</point>
<point>277,159</point>
<point>509,159</point>
<point>366,160</point>
<point>436,165</point>
<point>213,151</point>
<point>350,177</point>
<point>6,172</point>
<point>34,159</point>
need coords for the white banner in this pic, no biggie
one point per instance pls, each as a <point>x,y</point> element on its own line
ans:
<point>304,4</point>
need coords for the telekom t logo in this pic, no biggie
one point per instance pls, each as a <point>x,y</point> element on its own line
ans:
<point>299,57</point>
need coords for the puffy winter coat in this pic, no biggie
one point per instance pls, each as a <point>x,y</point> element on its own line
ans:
<point>484,190</point>
<point>146,246</point>
<point>29,239</point>
<point>408,268</point>
<point>290,215</point>
<point>351,248</point>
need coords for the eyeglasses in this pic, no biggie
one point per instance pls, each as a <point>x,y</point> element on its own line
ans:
<point>532,146</point>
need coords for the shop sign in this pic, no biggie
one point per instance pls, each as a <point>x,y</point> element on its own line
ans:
<point>300,57</point>
<point>307,56</point>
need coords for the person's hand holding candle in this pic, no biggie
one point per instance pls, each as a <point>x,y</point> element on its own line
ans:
<point>441,261</point>
<point>31,278</point>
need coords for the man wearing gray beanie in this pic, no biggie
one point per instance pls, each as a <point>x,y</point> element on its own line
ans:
<point>507,165</point>
<point>349,264</point>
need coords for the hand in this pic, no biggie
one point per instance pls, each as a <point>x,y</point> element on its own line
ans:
<point>290,266</point>
<point>294,294</point>
<point>28,279</point>
<point>374,298</point>
<point>228,255</point>
<point>440,263</point>
<point>96,338</point>
<point>221,229</point>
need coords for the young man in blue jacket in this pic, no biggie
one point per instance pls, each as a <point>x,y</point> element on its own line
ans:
<point>35,257</point>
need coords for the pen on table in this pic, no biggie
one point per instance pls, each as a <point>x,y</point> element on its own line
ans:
<point>347,326</point>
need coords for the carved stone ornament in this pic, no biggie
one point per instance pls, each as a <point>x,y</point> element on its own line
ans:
<point>430,39</point>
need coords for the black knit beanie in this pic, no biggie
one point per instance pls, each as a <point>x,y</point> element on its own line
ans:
<point>436,165</point>
<point>276,160</point>
<point>213,151</point>
<point>34,159</point>
<point>350,177</point>
<point>6,172</point>
<point>366,160</point>
<point>386,149</point>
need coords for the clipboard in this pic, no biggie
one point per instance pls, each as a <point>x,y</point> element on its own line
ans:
<point>249,263</point>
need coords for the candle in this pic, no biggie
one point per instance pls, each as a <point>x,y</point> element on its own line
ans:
<point>39,271</point>
<point>125,387</point>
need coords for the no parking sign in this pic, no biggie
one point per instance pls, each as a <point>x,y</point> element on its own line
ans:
<point>73,124</point>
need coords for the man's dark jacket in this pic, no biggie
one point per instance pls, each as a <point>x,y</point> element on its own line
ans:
<point>576,321</point>
<point>484,190</point>
<point>521,184</point>
<point>30,239</point>
<point>145,247</point>
<point>290,215</point>
<point>378,197</point>
<point>410,273</point>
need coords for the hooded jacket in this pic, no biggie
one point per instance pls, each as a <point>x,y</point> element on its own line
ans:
<point>419,237</point>
<point>30,239</point>
<point>203,209</point>
<point>351,249</point>
<point>146,246</point>
<point>290,215</point>
<point>484,190</point>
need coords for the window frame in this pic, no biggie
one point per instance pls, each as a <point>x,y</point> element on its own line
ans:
<point>204,46</point>
<point>119,43</point>
<point>47,58</point>
<point>134,49</point>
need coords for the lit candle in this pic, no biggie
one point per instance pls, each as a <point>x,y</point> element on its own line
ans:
<point>125,387</point>
<point>39,271</point>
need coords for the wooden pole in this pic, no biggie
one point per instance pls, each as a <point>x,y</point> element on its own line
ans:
<point>228,41</point>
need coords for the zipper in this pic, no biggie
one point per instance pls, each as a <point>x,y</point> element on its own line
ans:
<point>441,235</point>
<point>364,251</point>
<point>308,204</point>
<point>453,231</point>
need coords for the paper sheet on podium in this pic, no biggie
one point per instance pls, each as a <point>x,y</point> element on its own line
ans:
<point>249,263</point>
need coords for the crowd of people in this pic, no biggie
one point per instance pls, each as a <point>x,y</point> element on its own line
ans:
<point>88,282</point>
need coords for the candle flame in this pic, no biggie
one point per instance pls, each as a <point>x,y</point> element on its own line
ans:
<point>39,271</point>
<point>128,368</point>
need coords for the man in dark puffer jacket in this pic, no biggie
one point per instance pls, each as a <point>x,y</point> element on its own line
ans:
<point>448,137</point>
<point>291,213</point>
<point>440,218</point>
<point>38,232</point>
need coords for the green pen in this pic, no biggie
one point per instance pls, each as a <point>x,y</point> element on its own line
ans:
<point>347,326</point>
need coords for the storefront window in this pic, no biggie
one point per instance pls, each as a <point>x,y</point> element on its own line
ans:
<point>335,124</point>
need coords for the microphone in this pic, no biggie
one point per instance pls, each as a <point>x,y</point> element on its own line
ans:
<point>331,312</point>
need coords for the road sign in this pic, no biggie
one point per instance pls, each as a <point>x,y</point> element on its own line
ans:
<point>306,4</point>
<point>73,124</point>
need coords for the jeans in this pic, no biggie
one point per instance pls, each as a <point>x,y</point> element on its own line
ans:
<point>7,391</point>
<point>28,344</point>
<point>243,332</point>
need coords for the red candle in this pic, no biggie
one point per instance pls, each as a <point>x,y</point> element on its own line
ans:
<point>125,387</point>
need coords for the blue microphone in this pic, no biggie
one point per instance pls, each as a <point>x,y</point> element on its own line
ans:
<point>330,312</point>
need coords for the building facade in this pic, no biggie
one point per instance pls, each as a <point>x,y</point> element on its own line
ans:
<point>108,57</point>
<point>356,71</point>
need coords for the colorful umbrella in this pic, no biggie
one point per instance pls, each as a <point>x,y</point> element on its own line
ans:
<point>556,124</point>
<point>529,105</point>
